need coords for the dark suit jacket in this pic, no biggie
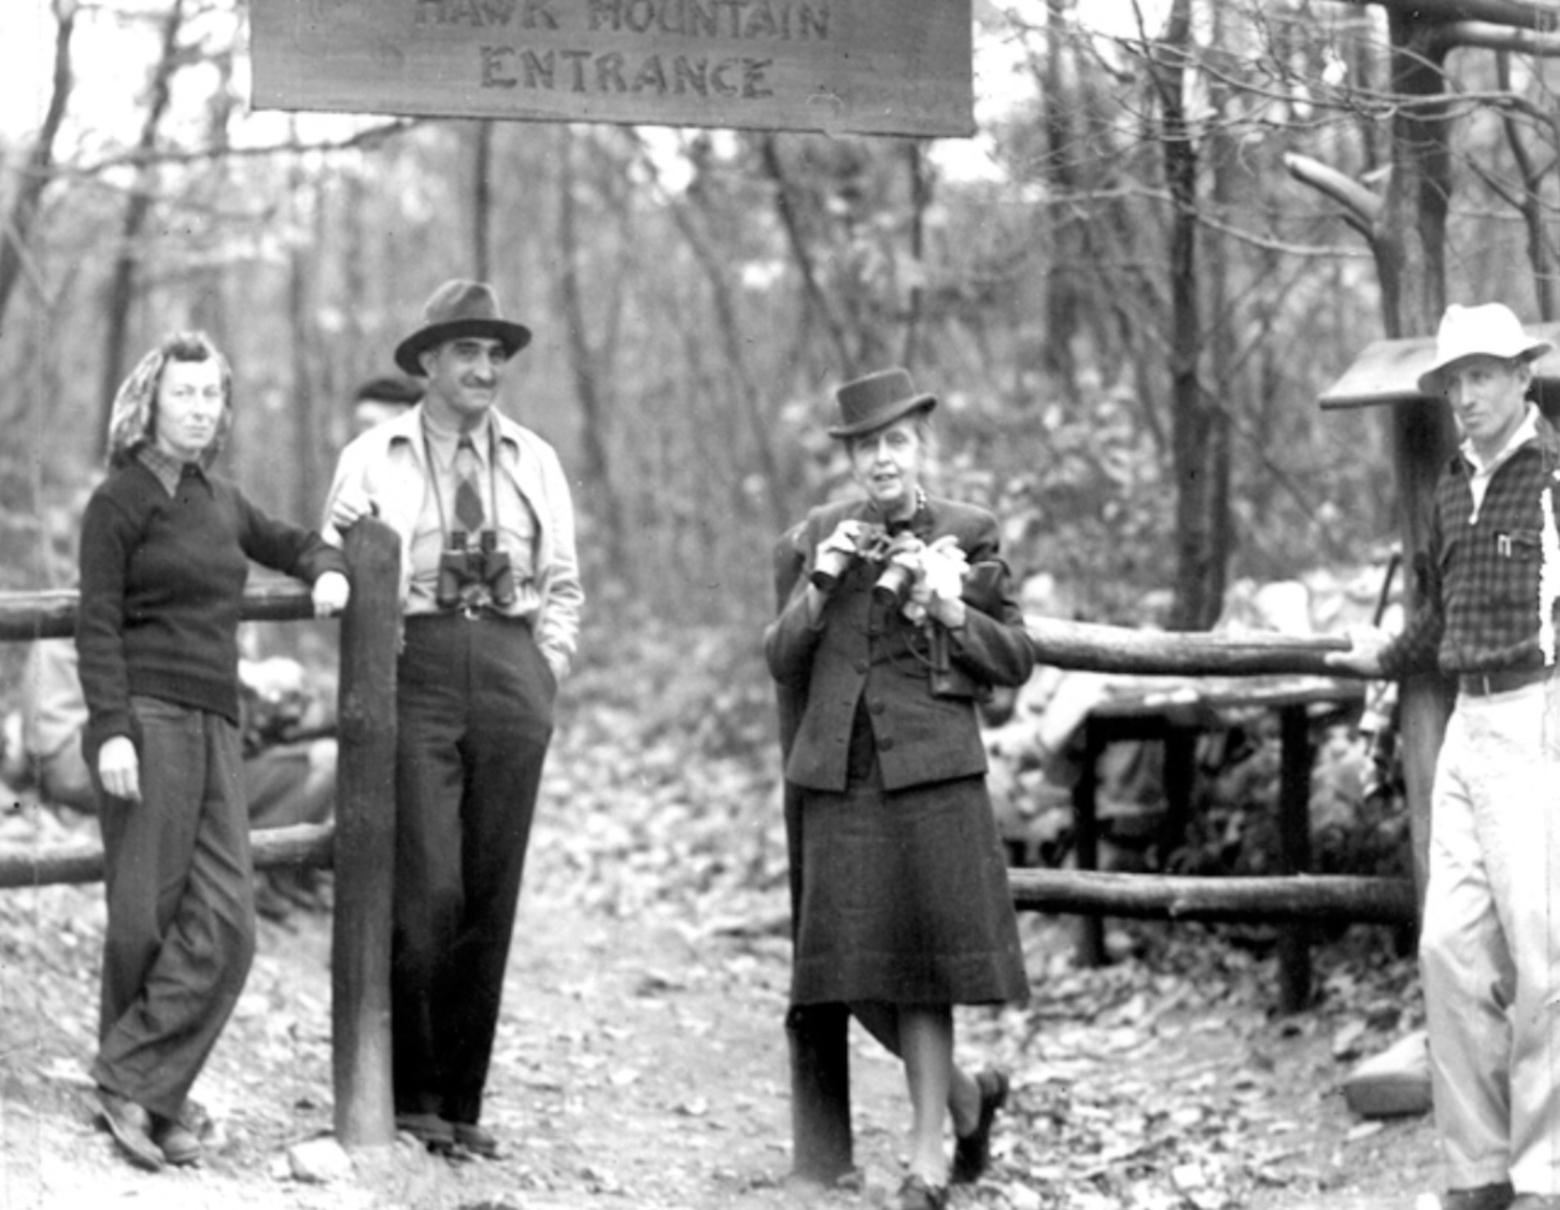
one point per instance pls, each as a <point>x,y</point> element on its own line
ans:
<point>856,651</point>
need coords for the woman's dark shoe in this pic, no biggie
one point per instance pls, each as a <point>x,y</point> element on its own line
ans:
<point>919,1194</point>
<point>972,1152</point>
<point>1480,1197</point>
<point>176,1141</point>
<point>131,1126</point>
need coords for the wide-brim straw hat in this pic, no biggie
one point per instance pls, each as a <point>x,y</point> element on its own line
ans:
<point>1489,330</point>
<point>459,309</point>
<point>878,399</point>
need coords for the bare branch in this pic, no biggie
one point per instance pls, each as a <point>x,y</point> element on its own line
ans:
<point>369,137</point>
<point>1524,14</point>
<point>14,256</point>
<point>1361,207</point>
<point>1485,36</point>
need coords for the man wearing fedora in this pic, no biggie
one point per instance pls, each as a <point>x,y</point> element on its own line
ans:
<point>1489,946</point>
<point>490,595</point>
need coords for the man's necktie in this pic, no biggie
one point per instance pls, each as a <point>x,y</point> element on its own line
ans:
<point>468,499</point>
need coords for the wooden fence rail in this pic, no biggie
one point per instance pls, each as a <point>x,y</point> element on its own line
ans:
<point>1057,642</point>
<point>358,844</point>
<point>82,861</point>
<point>1093,647</point>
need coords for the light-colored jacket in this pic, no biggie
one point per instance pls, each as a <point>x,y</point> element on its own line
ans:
<point>388,466</point>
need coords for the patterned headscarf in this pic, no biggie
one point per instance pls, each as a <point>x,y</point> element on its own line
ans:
<point>134,419</point>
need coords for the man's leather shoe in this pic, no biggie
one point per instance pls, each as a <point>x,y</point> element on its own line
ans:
<point>175,1140</point>
<point>1480,1197</point>
<point>131,1126</point>
<point>972,1152</point>
<point>1536,1201</point>
<point>427,1128</point>
<point>476,1140</point>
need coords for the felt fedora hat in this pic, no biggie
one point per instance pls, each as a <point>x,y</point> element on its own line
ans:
<point>877,399</point>
<point>1490,330</point>
<point>460,308</point>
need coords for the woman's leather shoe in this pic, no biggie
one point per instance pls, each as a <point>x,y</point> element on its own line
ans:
<point>917,1193</point>
<point>131,1126</point>
<point>176,1141</point>
<point>972,1152</point>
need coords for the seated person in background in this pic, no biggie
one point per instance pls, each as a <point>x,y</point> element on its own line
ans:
<point>53,714</point>
<point>289,771</point>
<point>289,754</point>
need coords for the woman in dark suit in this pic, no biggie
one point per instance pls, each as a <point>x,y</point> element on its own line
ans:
<point>901,617</point>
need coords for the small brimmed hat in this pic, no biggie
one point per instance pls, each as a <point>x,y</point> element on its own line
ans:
<point>457,309</point>
<point>1490,330</point>
<point>879,399</point>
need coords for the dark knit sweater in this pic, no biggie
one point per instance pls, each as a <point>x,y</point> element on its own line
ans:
<point>162,580</point>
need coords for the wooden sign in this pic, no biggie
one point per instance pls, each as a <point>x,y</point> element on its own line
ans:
<point>842,66</point>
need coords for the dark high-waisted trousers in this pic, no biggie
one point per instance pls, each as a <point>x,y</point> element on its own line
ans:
<point>474,712</point>
<point>181,918</point>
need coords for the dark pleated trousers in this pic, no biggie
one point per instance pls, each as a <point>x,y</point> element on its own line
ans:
<point>181,922</point>
<point>474,717</point>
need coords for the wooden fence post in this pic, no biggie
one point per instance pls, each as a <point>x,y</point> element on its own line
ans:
<point>365,841</point>
<point>816,1035</point>
<point>1294,852</point>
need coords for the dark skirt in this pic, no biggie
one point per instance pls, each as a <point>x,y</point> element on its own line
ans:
<point>904,899</point>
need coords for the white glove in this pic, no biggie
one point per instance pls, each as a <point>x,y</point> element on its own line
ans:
<point>944,566</point>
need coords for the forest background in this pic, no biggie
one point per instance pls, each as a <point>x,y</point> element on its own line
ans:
<point>1177,224</point>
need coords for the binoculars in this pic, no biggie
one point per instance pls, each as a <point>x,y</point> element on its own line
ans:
<point>479,575</point>
<point>870,544</point>
<point>894,584</point>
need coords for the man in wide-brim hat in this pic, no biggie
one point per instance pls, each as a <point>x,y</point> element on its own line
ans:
<point>490,593</point>
<point>1490,940</point>
<point>460,309</point>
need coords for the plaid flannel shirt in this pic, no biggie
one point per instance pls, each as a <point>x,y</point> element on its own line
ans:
<point>1478,582</point>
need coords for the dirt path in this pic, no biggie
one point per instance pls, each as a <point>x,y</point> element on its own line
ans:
<point>641,1064</point>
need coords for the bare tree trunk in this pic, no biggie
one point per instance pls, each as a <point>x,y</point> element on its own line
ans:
<point>40,161</point>
<point>1411,257</point>
<point>482,203</point>
<point>121,290</point>
<point>751,398</point>
<point>308,487</point>
<point>1061,296</point>
<point>1217,411</point>
<point>920,201</point>
<point>1406,229</point>
<point>1530,202</point>
<point>593,406</point>
<point>785,207</point>
<point>1200,458</point>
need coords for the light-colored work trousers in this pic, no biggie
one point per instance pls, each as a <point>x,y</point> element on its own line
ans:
<point>1490,947</point>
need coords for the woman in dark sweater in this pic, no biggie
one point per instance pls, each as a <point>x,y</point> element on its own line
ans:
<point>165,549</point>
<point>903,907</point>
